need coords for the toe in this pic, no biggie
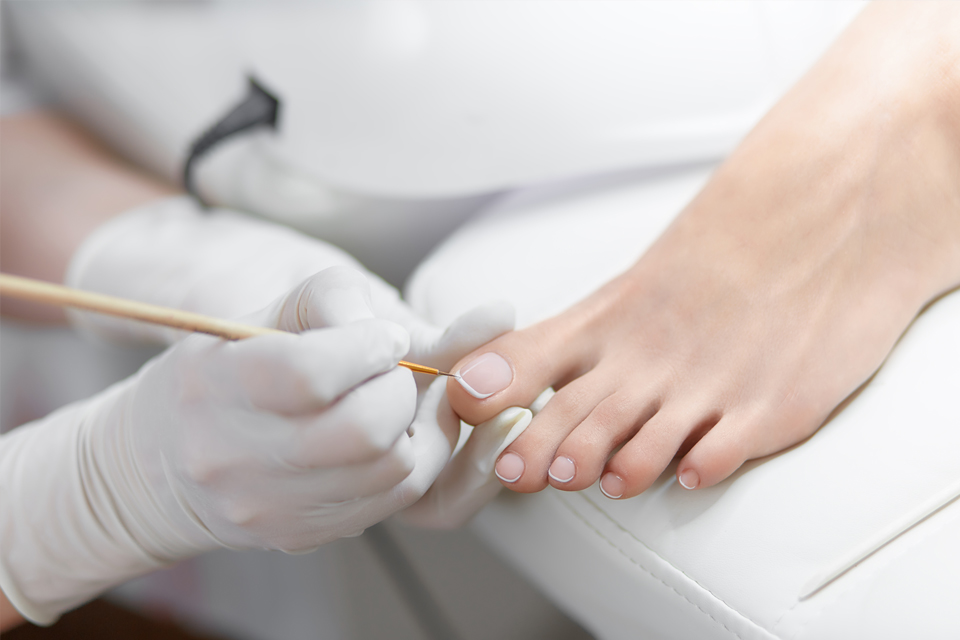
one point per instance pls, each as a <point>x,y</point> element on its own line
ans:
<point>526,464</point>
<point>511,371</point>
<point>583,454</point>
<point>644,457</point>
<point>719,453</point>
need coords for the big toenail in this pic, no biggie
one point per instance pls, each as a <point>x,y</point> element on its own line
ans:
<point>563,469</point>
<point>612,485</point>
<point>509,467</point>
<point>484,376</point>
<point>689,479</point>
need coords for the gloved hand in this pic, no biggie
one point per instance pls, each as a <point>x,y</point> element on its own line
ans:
<point>280,442</point>
<point>226,264</point>
<point>468,481</point>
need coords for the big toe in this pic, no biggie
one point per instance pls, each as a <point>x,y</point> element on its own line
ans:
<point>510,371</point>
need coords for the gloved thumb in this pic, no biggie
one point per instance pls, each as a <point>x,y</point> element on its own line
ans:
<point>444,348</point>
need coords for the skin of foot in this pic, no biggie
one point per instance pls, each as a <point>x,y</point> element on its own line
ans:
<point>776,293</point>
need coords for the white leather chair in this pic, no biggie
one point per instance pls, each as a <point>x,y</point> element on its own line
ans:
<point>854,533</point>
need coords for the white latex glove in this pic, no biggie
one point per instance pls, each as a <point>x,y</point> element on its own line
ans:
<point>225,264</point>
<point>279,442</point>
<point>468,482</point>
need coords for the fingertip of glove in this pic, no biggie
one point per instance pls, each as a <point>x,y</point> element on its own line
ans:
<point>384,340</point>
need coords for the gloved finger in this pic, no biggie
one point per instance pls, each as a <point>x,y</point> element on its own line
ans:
<point>434,410</point>
<point>257,509</point>
<point>468,481</point>
<point>434,433</point>
<point>260,484</point>
<point>429,449</point>
<point>335,296</point>
<point>332,485</point>
<point>465,334</point>
<point>361,426</point>
<point>293,375</point>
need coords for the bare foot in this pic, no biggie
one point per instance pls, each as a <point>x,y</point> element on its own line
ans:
<point>775,294</point>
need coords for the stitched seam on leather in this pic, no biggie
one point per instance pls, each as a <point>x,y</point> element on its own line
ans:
<point>678,569</point>
<point>648,571</point>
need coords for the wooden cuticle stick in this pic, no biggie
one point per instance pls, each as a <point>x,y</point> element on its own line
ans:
<point>49,293</point>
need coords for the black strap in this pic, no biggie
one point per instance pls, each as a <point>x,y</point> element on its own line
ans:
<point>258,108</point>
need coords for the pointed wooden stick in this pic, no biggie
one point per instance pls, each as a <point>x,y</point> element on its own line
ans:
<point>48,293</point>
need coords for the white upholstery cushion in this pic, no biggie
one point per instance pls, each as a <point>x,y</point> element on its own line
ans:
<point>868,500</point>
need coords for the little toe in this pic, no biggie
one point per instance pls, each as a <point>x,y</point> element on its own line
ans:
<point>641,460</point>
<point>510,371</point>
<point>611,423</point>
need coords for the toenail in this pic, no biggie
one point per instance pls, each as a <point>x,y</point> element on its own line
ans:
<point>612,485</point>
<point>509,467</point>
<point>689,479</point>
<point>563,469</point>
<point>484,376</point>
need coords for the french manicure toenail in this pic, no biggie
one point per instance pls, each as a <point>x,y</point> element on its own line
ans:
<point>612,485</point>
<point>563,469</point>
<point>484,376</point>
<point>509,467</point>
<point>689,479</point>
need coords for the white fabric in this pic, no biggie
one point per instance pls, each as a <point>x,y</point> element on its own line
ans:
<point>399,118</point>
<point>422,99</point>
<point>17,93</point>
<point>870,498</point>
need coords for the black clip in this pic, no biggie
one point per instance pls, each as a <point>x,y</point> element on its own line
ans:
<point>258,108</point>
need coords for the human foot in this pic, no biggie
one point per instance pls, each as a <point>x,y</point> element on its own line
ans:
<point>776,293</point>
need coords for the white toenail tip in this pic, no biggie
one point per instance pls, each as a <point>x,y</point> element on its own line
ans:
<point>608,495</point>
<point>555,478</point>
<point>476,394</point>
<point>497,473</point>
